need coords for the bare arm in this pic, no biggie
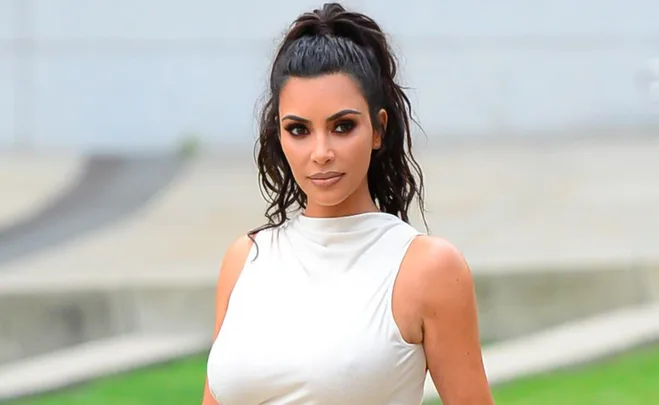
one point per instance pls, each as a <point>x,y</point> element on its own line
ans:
<point>232,265</point>
<point>450,326</point>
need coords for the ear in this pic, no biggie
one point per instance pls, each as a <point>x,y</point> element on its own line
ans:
<point>379,130</point>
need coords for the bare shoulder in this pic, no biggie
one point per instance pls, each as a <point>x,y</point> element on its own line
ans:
<point>232,264</point>
<point>439,263</point>
<point>236,254</point>
<point>445,285</point>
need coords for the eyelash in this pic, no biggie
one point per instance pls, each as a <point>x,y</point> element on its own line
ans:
<point>292,128</point>
<point>348,123</point>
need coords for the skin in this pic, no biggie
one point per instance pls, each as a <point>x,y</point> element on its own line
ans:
<point>434,301</point>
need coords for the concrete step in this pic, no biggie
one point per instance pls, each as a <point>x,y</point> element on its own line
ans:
<point>28,183</point>
<point>109,189</point>
<point>40,322</point>
<point>193,219</point>
<point>91,360</point>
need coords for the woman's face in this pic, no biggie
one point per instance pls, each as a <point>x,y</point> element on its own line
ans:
<point>327,137</point>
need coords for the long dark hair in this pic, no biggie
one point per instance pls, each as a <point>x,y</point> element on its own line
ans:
<point>333,40</point>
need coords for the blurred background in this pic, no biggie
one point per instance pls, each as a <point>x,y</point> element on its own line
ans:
<point>126,169</point>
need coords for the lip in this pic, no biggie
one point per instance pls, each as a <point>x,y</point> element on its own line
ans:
<point>326,179</point>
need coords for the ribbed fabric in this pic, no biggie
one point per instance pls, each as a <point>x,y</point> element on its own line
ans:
<point>310,320</point>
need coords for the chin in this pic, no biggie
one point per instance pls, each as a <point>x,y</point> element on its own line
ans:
<point>327,200</point>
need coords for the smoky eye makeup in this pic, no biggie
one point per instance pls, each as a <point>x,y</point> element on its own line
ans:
<point>344,126</point>
<point>296,129</point>
<point>339,123</point>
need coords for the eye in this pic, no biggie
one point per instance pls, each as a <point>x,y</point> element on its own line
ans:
<point>296,129</point>
<point>344,127</point>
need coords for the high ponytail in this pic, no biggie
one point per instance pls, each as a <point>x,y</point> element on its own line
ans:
<point>334,40</point>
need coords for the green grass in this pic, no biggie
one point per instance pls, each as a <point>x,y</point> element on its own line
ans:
<point>180,382</point>
<point>630,379</point>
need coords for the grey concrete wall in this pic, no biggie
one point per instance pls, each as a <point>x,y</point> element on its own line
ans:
<point>511,304</point>
<point>515,304</point>
<point>32,324</point>
<point>135,74</point>
<point>36,324</point>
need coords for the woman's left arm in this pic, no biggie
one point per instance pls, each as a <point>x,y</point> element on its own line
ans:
<point>450,325</point>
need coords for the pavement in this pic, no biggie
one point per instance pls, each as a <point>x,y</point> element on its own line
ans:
<point>28,183</point>
<point>106,189</point>
<point>558,204</point>
<point>188,226</point>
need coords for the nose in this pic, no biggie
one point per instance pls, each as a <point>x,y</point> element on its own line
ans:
<point>322,149</point>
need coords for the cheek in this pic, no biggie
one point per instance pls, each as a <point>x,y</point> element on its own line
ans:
<point>360,152</point>
<point>294,153</point>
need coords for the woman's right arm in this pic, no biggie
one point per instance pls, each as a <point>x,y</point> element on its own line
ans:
<point>232,265</point>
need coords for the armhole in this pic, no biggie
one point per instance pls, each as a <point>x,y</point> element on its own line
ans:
<point>391,283</point>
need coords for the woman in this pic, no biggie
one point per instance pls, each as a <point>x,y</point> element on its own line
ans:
<point>337,300</point>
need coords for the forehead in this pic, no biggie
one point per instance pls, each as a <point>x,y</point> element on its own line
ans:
<point>323,94</point>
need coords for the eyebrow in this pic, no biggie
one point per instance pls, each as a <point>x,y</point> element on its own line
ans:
<point>330,118</point>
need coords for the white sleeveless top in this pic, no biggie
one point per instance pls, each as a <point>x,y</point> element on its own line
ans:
<point>310,320</point>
